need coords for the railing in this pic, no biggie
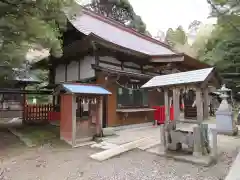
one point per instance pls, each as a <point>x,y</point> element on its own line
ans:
<point>37,113</point>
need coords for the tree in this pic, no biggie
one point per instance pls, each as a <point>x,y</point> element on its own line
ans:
<point>174,37</point>
<point>201,38</point>
<point>28,25</point>
<point>224,40</point>
<point>193,29</point>
<point>138,24</point>
<point>178,40</point>
<point>160,35</point>
<point>119,10</point>
<point>193,41</point>
<point>194,26</point>
<point>223,47</point>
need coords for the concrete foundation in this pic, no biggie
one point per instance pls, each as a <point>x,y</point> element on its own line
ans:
<point>184,157</point>
<point>225,123</point>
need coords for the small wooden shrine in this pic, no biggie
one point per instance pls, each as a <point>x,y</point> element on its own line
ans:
<point>81,109</point>
<point>13,91</point>
<point>196,138</point>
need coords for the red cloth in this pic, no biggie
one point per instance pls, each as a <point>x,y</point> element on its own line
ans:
<point>159,114</point>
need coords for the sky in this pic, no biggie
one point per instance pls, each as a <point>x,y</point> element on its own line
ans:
<point>163,14</point>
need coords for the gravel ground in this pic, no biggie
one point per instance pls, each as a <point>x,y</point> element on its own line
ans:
<point>47,163</point>
<point>9,145</point>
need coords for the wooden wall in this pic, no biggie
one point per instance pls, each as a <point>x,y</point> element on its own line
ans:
<point>66,117</point>
<point>81,69</point>
<point>116,118</point>
<point>156,98</point>
<point>76,70</point>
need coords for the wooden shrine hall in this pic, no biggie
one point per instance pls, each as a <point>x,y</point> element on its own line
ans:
<point>99,50</point>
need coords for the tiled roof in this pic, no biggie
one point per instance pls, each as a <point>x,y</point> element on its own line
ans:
<point>179,78</point>
<point>114,32</point>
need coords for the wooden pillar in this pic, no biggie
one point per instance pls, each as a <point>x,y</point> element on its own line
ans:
<point>67,118</point>
<point>166,103</point>
<point>199,103</point>
<point>206,103</point>
<point>167,120</point>
<point>24,104</point>
<point>176,107</point>
<point>74,120</point>
<point>99,117</point>
<point>53,100</point>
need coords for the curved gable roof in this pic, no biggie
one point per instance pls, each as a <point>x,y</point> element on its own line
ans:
<point>114,32</point>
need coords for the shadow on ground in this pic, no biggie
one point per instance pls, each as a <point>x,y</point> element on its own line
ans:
<point>9,144</point>
<point>42,134</point>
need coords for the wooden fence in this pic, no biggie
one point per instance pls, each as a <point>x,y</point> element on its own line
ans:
<point>37,113</point>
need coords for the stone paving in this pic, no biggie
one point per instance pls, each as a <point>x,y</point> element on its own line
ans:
<point>153,133</point>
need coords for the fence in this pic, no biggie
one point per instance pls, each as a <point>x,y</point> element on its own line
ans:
<point>37,113</point>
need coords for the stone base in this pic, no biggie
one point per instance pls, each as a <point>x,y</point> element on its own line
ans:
<point>109,131</point>
<point>184,157</point>
<point>232,132</point>
<point>65,140</point>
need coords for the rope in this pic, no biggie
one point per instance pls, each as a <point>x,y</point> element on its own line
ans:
<point>131,89</point>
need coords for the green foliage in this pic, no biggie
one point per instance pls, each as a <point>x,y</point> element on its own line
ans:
<point>223,47</point>
<point>177,36</point>
<point>194,26</point>
<point>42,76</point>
<point>25,24</point>
<point>202,36</point>
<point>138,24</point>
<point>178,40</point>
<point>119,10</point>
